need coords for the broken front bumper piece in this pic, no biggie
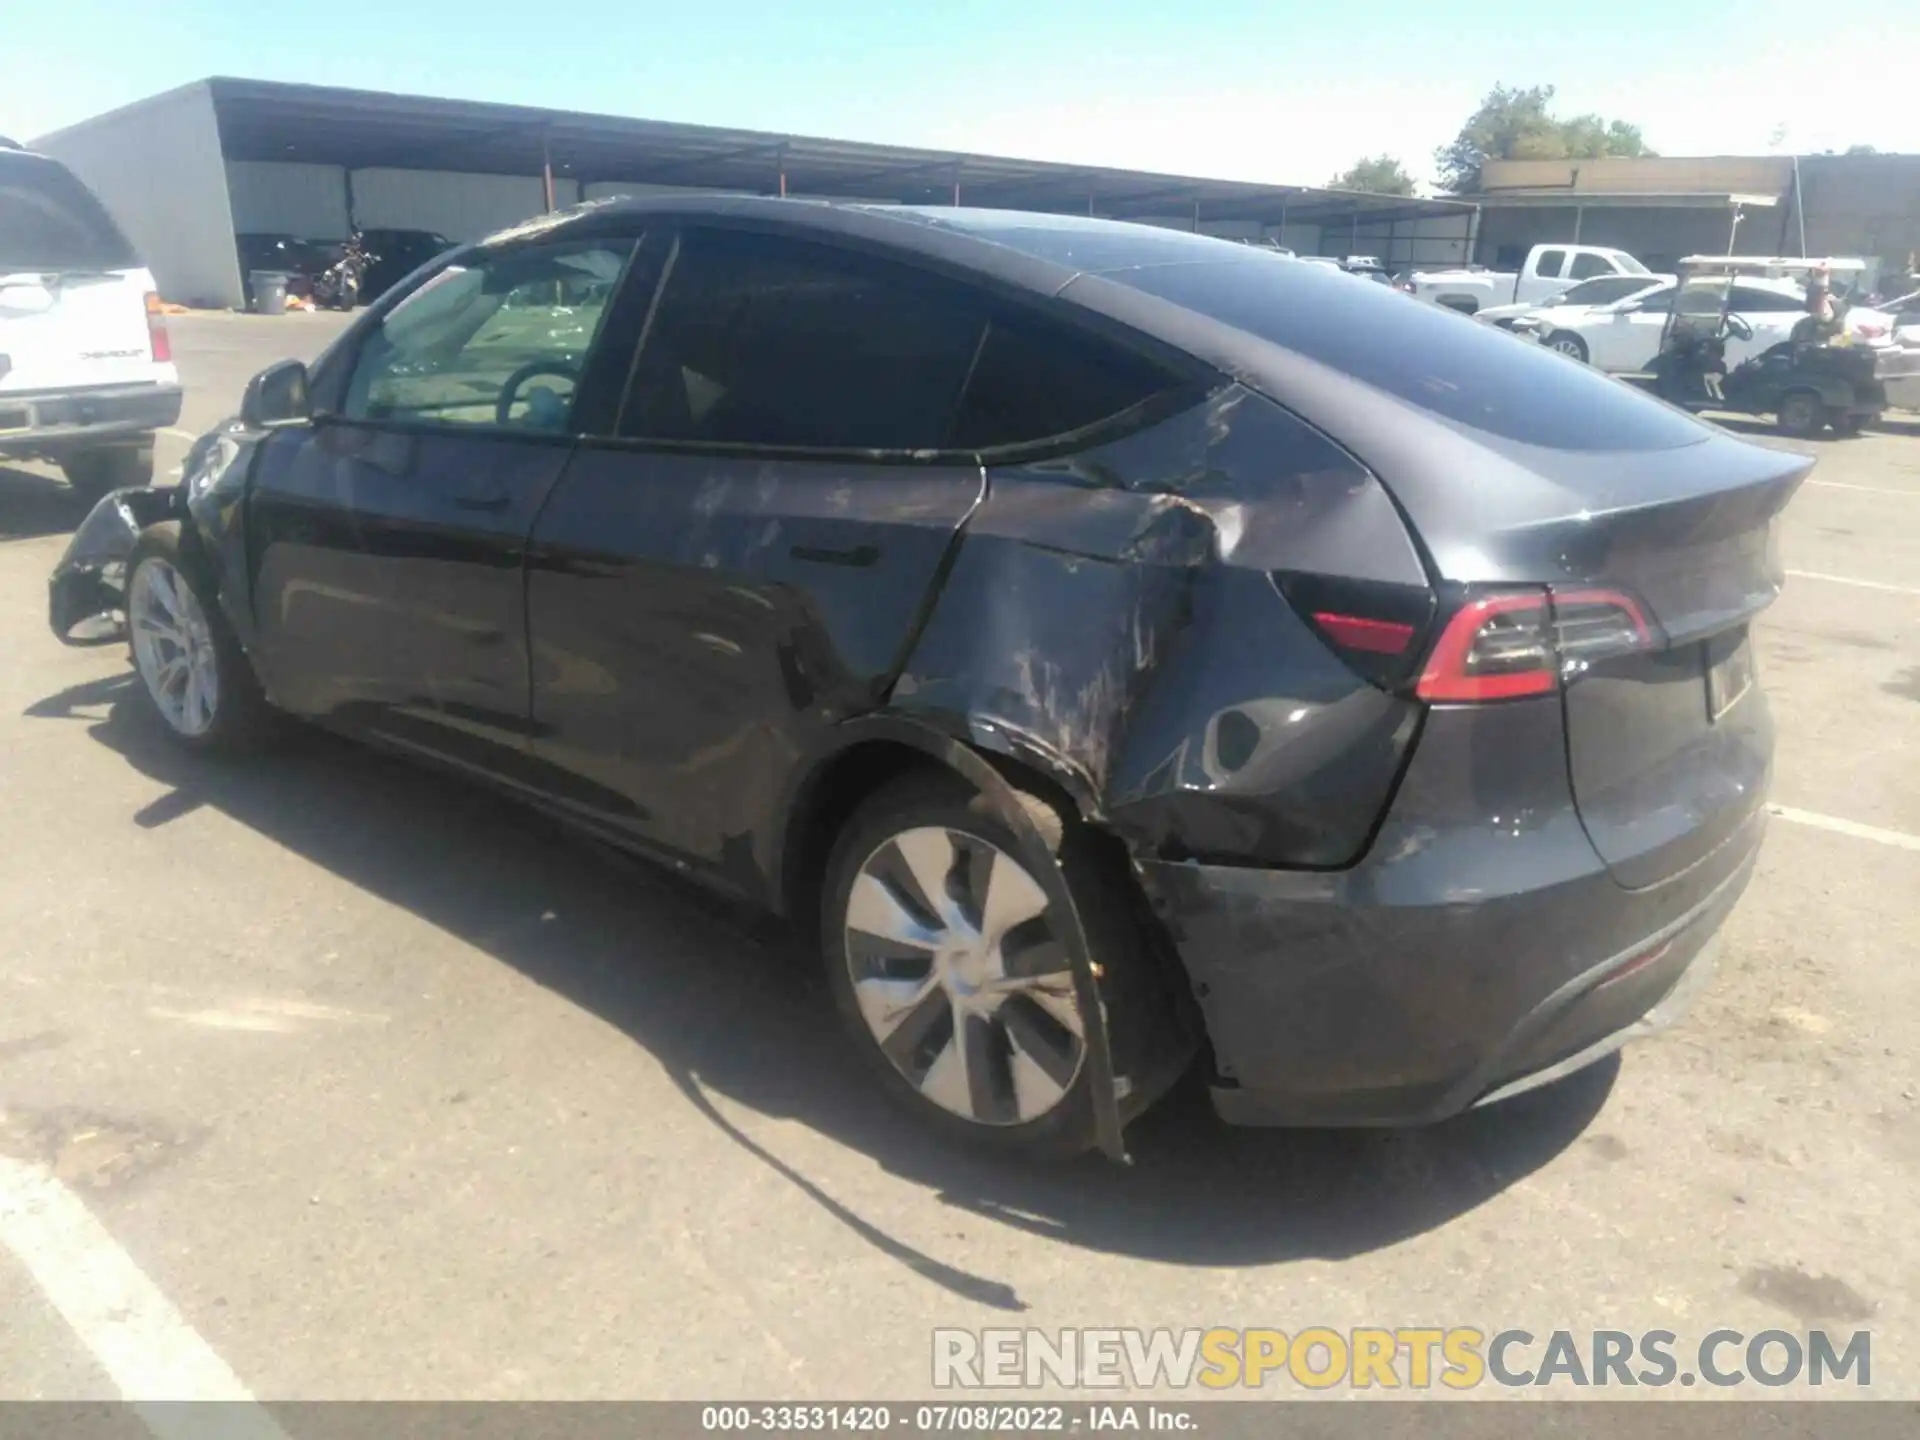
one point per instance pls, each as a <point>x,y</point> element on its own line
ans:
<point>86,594</point>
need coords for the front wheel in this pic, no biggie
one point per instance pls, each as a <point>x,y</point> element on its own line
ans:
<point>192,671</point>
<point>1565,342</point>
<point>951,975</point>
<point>92,473</point>
<point>1800,414</point>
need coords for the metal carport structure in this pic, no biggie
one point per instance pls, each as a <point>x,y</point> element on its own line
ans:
<point>334,157</point>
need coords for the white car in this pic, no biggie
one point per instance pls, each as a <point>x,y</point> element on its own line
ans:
<point>1601,290</point>
<point>1625,336</point>
<point>86,372</point>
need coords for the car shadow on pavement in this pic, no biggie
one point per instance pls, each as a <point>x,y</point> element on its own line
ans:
<point>32,505</point>
<point>735,1012</point>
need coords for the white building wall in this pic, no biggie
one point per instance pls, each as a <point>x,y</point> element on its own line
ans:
<point>458,205</point>
<point>278,197</point>
<point>157,167</point>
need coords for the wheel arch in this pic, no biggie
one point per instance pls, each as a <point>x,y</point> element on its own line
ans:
<point>872,751</point>
<point>886,746</point>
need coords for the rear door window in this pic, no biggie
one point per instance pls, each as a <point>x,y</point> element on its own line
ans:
<point>773,342</point>
<point>50,221</point>
<point>765,341</point>
<point>1585,267</point>
<point>1550,264</point>
<point>1035,380</point>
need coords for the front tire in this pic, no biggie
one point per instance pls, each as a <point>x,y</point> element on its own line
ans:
<point>1565,342</point>
<point>92,473</point>
<point>950,975</point>
<point>194,676</point>
<point>1800,414</point>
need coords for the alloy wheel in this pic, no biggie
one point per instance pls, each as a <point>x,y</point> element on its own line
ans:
<point>173,647</point>
<point>960,978</point>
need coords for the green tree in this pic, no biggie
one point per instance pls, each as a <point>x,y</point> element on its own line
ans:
<point>1862,150</point>
<point>1380,174</point>
<point>1515,124</point>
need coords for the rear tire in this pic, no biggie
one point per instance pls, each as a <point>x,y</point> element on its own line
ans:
<point>92,473</point>
<point>194,677</point>
<point>970,1022</point>
<point>1565,342</point>
<point>1800,414</point>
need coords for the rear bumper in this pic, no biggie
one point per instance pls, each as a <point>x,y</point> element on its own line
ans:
<point>1478,950</point>
<point>46,422</point>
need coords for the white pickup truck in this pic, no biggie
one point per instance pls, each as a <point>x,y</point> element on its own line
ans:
<point>1550,269</point>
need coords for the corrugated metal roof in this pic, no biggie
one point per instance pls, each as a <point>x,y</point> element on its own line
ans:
<point>265,120</point>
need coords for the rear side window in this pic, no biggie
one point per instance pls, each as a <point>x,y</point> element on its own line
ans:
<point>1470,374</point>
<point>50,221</point>
<point>1751,299</point>
<point>1550,263</point>
<point>1604,290</point>
<point>1034,380</point>
<point>765,341</point>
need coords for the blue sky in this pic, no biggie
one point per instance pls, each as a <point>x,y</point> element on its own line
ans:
<point>1234,88</point>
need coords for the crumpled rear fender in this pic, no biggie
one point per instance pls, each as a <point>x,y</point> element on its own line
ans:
<point>1114,620</point>
<point>86,599</point>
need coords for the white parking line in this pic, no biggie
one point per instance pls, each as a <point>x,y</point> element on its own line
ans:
<point>1849,580</point>
<point>1897,838</point>
<point>1864,489</point>
<point>148,1350</point>
<point>186,435</point>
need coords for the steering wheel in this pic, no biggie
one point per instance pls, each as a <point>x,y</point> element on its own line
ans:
<point>510,392</point>
<point>1739,328</point>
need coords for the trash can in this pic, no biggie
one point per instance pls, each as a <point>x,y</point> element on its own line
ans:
<point>269,292</point>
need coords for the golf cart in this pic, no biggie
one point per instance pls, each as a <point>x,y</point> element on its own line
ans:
<point>1816,375</point>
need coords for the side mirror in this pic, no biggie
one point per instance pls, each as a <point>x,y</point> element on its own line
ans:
<point>277,396</point>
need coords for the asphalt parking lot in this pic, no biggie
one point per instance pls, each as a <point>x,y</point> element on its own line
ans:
<point>392,1091</point>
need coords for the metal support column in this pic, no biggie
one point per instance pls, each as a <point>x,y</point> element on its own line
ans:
<point>1799,207</point>
<point>1579,214</point>
<point>546,172</point>
<point>1196,217</point>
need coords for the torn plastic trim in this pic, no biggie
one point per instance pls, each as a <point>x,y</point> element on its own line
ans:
<point>1039,861</point>
<point>86,594</point>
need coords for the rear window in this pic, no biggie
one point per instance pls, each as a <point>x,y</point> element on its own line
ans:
<point>50,221</point>
<point>1471,374</point>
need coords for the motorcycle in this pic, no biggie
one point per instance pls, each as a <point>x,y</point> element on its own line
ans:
<point>338,286</point>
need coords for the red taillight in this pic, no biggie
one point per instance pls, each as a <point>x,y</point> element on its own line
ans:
<point>1523,642</point>
<point>1357,632</point>
<point>1499,647</point>
<point>157,338</point>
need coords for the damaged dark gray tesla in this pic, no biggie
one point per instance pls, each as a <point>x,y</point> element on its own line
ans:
<point>1117,645</point>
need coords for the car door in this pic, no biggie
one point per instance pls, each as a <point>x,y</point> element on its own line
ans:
<point>1625,337</point>
<point>749,559</point>
<point>389,535</point>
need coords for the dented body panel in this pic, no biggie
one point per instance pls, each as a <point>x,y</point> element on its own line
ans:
<point>1112,617</point>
